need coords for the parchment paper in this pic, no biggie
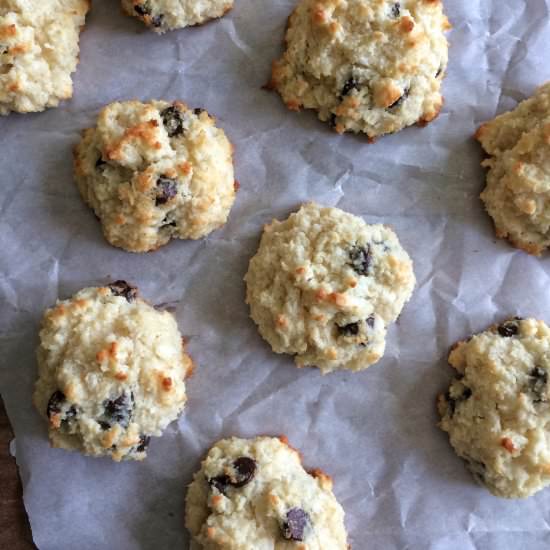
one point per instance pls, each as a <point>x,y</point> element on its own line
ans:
<point>395,473</point>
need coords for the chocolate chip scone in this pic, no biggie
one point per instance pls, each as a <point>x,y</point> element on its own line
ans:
<point>371,66</point>
<point>111,372</point>
<point>167,15</point>
<point>497,409</point>
<point>517,195</point>
<point>38,52</point>
<point>255,493</point>
<point>324,286</point>
<point>155,171</point>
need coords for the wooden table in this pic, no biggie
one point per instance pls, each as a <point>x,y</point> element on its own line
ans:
<point>15,533</point>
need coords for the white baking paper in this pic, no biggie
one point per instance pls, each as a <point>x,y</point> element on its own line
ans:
<point>375,432</point>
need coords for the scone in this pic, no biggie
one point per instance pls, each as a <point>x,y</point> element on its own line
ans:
<point>371,66</point>
<point>497,409</point>
<point>167,15</point>
<point>38,52</point>
<point>111,372</point>
<point>517,195</point>
<point>255,493</point>
<point>324,286</point>
<point>155,171</point>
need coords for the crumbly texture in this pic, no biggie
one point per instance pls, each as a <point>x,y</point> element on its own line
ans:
<point>166,15</point>
<point>324,286</point>
<point>497,409</point>
<point>517,195</point>
<point>155,171</point>
<point>371,66</point>
<point>38,52</point>
<point>254,493</point>
<point>111,371</point>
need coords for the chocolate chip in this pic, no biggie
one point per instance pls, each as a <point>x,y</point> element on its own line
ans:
<point>173,121</point>
<point>370,321</point>
<point>220,483</point>
<point>453,402</point>
<point>351,329</point>
<point>396,10</point>
<point>144,441</point>
<point>122,288</point>
<point>119,410</point>
<point>55,403</point>
<point>360,259</point>
<point>99,163</point>
<point>295,524</point>
<point>404,96</point>
<point>143,9</point>
<point>104,425</point>
<point>157,20</point>
<point>245,468</point>
<point>351,84</point>
<point>167,188</point>
<point>167,223</point>
<point>508,329</point>
<point>198,111</point>
<point>538,380</point>
<point>332,121</point>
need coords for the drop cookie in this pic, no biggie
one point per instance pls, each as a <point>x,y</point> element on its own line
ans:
<point>155,171</point>
<point>111,372</point>
<point>39,47</point>
<point>324,286</point>
<point>255,493</point>
<point>517,194</point>
<point>167,15</point>
<point>371,66</point>
<point>497,409</point>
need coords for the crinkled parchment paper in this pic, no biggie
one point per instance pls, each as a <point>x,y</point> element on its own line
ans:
<point>375,432</point>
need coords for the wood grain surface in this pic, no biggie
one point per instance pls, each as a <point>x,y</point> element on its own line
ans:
<point>15,533</point>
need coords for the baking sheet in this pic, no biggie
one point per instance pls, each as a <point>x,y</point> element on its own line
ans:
<point>375,432</point>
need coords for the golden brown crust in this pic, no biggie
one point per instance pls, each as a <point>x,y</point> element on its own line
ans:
<point>278,485</point>
<point>158,22</point>
<point>427,118</point>
<point>480,132</point>
<point>284,440</point>
<point>441,404</point>
<point>32,78</point>
<point>516,195</point>
<point>529,247</point>
<point>8,31</point>
<point>373,106</point>
<point>132,139</point>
